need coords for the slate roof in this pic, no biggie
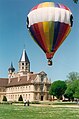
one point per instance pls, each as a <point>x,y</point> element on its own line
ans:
<point>23,80</point>
<point>24,57</point>
<point>16,82</point>
<point>11,68</point>
<point>3,82</point>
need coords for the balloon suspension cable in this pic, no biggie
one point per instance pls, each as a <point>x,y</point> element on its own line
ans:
<point>49,62</point>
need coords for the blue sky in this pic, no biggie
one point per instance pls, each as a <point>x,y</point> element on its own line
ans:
<point>14,35</point>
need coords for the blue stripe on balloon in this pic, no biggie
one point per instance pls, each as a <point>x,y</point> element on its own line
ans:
<point>32,33</point>
<point>56,31</point>
<point>57,5</point>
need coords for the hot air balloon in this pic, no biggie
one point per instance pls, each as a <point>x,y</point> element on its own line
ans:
<point>49,24</point>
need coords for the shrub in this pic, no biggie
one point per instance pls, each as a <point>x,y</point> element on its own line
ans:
<point>35,102</point>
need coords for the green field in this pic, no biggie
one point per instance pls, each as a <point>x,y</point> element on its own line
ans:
<point>38,112</point>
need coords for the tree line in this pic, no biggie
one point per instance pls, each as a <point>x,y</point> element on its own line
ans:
<point>68,88</point>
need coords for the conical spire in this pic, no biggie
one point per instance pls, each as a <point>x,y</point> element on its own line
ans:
<point>24,64</point>
<point>24,57</point>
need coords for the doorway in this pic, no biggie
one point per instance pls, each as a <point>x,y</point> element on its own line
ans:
<point>41,98</point>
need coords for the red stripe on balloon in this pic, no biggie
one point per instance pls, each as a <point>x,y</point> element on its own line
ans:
<point>42,34</point>
<point>64,7</point>
<point>35,7</point>
<point>37,36</point>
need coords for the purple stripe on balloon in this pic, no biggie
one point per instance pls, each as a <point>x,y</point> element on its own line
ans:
<point>56,31</point>
<point>57,5</point>
<point>62,33</point>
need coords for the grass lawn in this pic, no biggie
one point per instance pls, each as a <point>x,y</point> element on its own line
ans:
<point>35,112</point>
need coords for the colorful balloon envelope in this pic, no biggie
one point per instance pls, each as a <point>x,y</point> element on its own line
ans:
<point>49,24</point>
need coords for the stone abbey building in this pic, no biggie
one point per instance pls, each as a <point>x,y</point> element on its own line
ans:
<point>31,86</point>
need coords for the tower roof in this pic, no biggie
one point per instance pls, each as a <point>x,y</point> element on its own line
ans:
<point>24,57</point>
<point>11,68</point>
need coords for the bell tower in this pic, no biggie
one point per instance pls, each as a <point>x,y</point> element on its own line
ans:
<point>11,71</point>
<point>24,64</point>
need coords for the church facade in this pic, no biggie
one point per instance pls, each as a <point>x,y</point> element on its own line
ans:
<point>31,86</point>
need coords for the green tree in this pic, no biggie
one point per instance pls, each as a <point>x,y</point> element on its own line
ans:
<point>72,76</point>
<point>20,98</point>
<point>76,94</point>
<point>72,84</point>
<point>69,92</point>
<point>4,98</point>
<point>58,89</point>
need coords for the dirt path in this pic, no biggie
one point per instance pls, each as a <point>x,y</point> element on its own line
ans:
<point>44,105</point>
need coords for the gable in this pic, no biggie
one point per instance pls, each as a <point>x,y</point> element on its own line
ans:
<point>42,73</point>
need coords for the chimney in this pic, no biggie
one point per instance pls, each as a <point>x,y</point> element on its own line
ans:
<point>28,76</point>
<point>9,79</point>
<point>18,77</point>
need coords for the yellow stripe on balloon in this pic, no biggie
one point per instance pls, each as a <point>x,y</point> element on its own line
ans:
<point>51,4</point>
<point>46,33</point>
<point>46,4</point>
<point>40,27</point>
<point>51,33</point>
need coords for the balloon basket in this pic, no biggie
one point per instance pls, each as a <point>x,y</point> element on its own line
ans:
<point>49,62</point>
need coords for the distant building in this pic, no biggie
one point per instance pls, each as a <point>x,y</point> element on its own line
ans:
<point>31,86</point>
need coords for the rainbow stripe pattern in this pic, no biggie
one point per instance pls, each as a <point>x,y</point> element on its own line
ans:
<point>49,24</point>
